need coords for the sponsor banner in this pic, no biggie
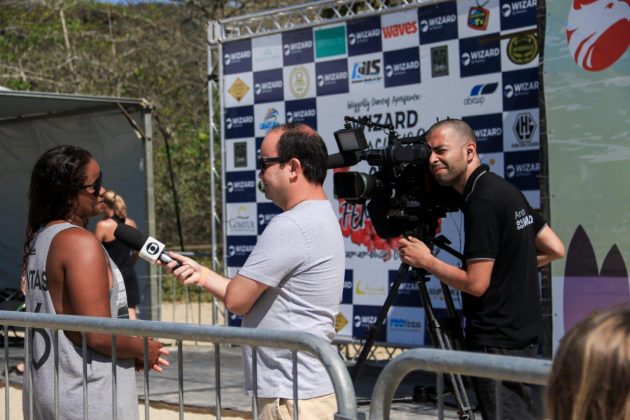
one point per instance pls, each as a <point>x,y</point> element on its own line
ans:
<point>330,42</point>
<point>519,50</point>
<point>520,89</point>
<point>348,287</point>
<point>238,89</point>
<point>363,318</point>
<point>237,56</point>
<point>240,187</point>
<point>364,35</point>
<point>267,52</point>
<point>517,13</point>
<point>408,293</point>
<point>522,130</point>
<point>523,169</point>
<point>238,249</point>
<point>240,155</point>
<point>268,86</point>
<point>260,196</point>
<point>266,212</point>
<point>368,288</point>
<point>297,47</point>
<point>488,130</point>
<point>268,116</point>
<point>331,77</point>
<point>399,30</point>
<point>402,67</point>
<point>406,326</point>
<point>437,22</point>
<point>482,95</point>
<point>239,122</point>
<point>344,321</point>
<point>241,219</point>
<point>303,111</point>
<point>366,72</point>
<point>477,18</point>
<point>494,161</point>
<point>299,81</point>
<point>440,68</point>
<point>479,55</point>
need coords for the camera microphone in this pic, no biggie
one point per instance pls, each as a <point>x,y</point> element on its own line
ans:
<point>341,160</point>
<point>150,249</point>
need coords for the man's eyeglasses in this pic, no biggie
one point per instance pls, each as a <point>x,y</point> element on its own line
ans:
<point>96,187</point>
<point>267,162</point>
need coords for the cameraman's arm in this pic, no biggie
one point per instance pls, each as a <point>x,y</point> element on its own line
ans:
<point>474,280</point>
<point>548,246</point>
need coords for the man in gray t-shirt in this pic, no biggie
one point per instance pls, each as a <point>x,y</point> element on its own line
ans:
<point>293,279</point>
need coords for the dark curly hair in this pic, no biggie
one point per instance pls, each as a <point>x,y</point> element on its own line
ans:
<point>56,180</point>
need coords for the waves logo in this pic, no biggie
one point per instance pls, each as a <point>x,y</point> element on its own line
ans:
<point>478,93</point>
<point>400,29</point>
<point>598,32</point>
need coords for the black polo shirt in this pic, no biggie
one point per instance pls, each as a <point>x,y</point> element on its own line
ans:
<point>500,225</point>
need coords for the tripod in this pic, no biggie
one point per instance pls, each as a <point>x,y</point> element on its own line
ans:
<point>439,337</point>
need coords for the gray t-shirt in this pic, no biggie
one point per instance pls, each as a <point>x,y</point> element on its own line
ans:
<point>300,256</point>
<point>99,367</point>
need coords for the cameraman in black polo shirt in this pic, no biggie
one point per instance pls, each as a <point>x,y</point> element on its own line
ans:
<point>505,243</point>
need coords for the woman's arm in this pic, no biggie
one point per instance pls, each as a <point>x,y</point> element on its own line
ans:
<point>80,271</point>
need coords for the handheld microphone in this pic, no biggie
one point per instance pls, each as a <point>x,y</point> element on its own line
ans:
<point>150,249</point>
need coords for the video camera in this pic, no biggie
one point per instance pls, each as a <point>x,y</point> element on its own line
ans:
<point>403,195</point>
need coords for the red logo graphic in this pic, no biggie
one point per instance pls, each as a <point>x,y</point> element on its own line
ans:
<point>598,32</point>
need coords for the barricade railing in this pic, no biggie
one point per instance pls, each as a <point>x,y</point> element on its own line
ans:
<point>500,368</point>
<point>294,341</point>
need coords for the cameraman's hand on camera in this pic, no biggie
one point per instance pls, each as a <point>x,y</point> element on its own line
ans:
<point>415,253</point>
<point>190,272</point>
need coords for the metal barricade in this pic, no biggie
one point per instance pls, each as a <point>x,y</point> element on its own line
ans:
<point>500,368</point>
<point>294,341</point>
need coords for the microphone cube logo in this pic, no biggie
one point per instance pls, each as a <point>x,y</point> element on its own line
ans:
<point>152,248</point>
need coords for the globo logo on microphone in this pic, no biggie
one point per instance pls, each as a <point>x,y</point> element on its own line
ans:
<point>151,250</point>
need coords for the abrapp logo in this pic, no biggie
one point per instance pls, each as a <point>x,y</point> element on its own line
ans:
<point>478,92</point>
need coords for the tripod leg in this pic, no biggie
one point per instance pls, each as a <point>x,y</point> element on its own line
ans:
<point>374,330</point>
<point>441,340</point>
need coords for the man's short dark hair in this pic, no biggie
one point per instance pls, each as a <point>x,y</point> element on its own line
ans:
<point>302,142</point>
<point>463,130</point>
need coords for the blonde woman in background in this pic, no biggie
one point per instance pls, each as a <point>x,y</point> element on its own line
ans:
<point>590,376</point>
<point>115,213</point>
